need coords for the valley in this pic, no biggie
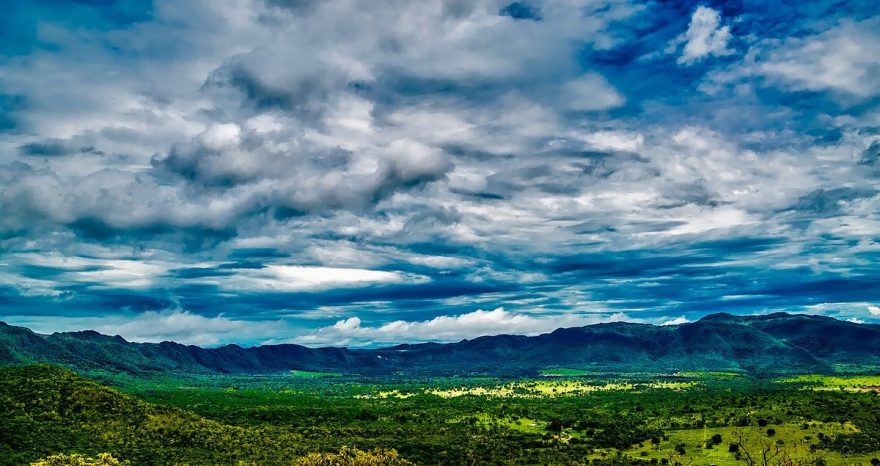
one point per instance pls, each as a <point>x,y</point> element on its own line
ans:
<point>778,389</point>
<point>611,418</point>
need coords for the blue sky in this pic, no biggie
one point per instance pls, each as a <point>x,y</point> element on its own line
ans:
<point>332,172</point>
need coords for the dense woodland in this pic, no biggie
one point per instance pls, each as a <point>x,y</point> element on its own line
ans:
<point>46,410</point>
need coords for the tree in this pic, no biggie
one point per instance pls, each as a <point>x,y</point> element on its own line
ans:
<point>769,454</point>
<point>354,457</point>
<point>61,459</point>
<point>555,425</point>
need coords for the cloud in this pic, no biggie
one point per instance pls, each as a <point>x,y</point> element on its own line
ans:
<point>676,321</point>
<point>590,92</point>
<point>874,310</point>
<point>705,36</point>
<point>289,278</point>
<point>95,272</point>
<point>448,328</point>
<point>545,157</point>
<point>840,59</point>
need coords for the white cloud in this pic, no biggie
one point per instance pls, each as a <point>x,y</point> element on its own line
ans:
<point>590,92</point>
<point>97,272</point>
<point>705,36</point>
<point>448,328</point>
<point>676,321</point>
<point>842,59</point>
<point>291,278</point>
<point>855,320</point>
<point>874,310</point>
<point>613,140</point>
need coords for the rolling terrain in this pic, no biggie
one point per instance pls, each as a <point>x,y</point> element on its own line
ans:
<point>767,344</point>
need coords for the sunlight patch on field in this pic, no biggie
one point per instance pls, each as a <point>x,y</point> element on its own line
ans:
<point>795,443</point>
<point>564,372</point>
<point>313,375</point>
<point>388,394</point>
<point>535,389</point>
<point>714,375</point>
<point>850,383</point>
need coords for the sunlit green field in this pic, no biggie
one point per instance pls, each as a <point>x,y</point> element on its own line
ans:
<point>313,375</point>
<point>853,383</point>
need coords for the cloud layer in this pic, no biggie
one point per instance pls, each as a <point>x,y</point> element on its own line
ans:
<point>449,328</point>
<point>309,163</point>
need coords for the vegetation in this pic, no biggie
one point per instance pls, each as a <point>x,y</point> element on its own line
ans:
<point>51,414</point>
<point>104,459</point>
<point>313,374</point>
<point>354,457</point>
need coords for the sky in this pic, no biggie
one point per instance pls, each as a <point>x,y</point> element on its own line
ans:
<point>360,173</point>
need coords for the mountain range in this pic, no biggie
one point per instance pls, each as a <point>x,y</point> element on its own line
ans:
<point>761,344</point>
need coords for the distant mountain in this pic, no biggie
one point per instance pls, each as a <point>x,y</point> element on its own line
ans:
<point>775,343</point>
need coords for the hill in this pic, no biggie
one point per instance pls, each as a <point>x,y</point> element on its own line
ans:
<point>774,343</point>
<point>47,409</point>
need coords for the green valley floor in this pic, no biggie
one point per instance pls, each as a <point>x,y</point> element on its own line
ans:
<point>559,416</point>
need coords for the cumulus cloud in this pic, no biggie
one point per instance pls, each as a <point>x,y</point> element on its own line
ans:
<point>874,310</point>
<point>449,328</point>
<point>676,321</point>
<point>705,36</point>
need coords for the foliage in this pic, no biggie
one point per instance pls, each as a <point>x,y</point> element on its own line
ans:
<point>279,419</point>
<point>354,457</point>
<point>61,459</point>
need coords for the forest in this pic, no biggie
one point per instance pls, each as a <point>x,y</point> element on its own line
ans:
<point>51,415</point>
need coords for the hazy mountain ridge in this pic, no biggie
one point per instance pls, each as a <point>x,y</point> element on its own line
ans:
<point>757,344</point>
